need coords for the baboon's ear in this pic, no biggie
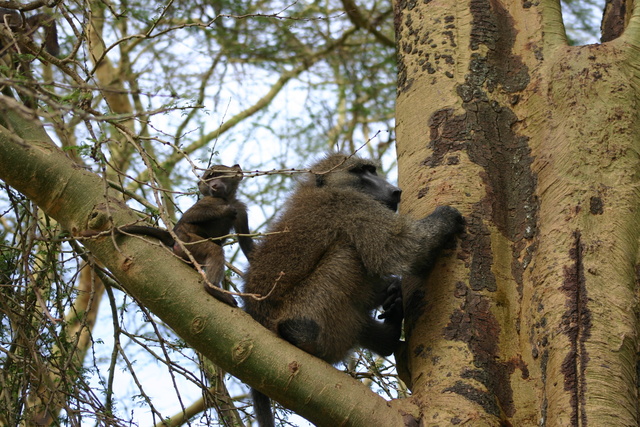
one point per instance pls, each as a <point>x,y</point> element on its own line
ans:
<point>239,170</point>
<point>319,179</point>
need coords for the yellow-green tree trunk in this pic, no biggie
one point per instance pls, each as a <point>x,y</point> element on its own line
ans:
<point>535,320</point>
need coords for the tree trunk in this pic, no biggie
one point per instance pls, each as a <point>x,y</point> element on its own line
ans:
<point>534,321</point>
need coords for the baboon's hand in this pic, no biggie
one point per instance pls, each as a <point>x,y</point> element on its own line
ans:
<point>452,217</point>
<point>443,225</point>
<point>229,212</point>
<point>392,305</point>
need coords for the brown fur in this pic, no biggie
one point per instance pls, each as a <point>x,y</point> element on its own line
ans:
<point>202,226</point>
<point>339,246</point>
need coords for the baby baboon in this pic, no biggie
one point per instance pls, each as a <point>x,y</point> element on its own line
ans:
<point>340,249</point>
<point>203,225</point>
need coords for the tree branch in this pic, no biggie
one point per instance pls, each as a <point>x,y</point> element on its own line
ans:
<point>356,17</point>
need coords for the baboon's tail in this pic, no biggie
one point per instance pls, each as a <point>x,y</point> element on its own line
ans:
<point>163,235</point>
<point>262,409</point>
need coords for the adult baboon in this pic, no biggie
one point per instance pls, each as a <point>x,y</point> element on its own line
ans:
<point>203,227</point>
<point>339,248</point>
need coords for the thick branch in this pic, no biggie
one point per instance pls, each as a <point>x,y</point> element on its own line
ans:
<point>359,20</point>
<point>615,18</point>
<point>553,29</point>
<point>632,33</point>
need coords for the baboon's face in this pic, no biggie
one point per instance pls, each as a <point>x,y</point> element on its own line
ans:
<point>343,172</point>
<point>376,186</point>
<point>220,181</point>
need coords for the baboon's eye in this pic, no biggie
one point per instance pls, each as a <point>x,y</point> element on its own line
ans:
<point>364,169</point>
<point>371,169</point>
<point>211,175</point>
